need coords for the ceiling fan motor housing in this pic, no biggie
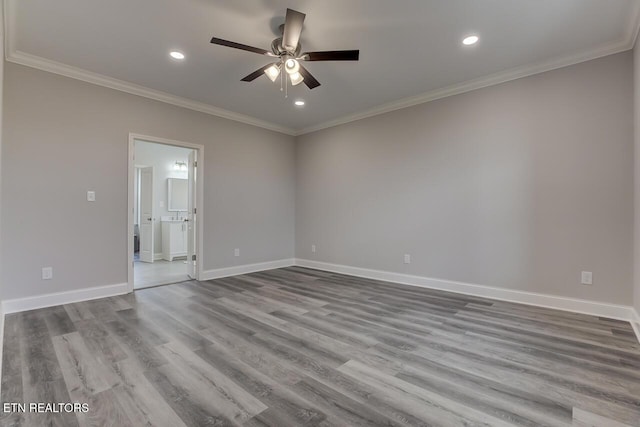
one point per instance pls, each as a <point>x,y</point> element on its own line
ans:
<point>278,49</point>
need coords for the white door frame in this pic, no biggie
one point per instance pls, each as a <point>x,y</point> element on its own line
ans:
<point>199,198</point>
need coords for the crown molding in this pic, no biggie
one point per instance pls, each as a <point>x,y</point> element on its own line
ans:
<point>633,27</point>
<point>12,54</point>
<point>40,63</point>
<point>626,43</point>
<point>471,85</point>
<point>22,58</point>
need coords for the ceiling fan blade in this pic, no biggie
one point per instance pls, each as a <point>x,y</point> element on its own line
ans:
<point>309,80</point>
<point>332,55</point>
<point>240,46</point>
<point>292,29</point>
<point>257,73</point>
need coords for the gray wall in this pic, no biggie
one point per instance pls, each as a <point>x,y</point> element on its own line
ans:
<point>521,186</point>
<point>63,137</point>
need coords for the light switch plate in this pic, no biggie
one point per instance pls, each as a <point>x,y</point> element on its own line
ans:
<point>91,196</point>
<point>47,273</point>
<point>587,278</point>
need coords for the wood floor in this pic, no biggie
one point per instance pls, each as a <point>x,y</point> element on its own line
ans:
<point>294,347</point>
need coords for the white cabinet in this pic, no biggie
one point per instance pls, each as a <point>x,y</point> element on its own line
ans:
<point>174,239</point>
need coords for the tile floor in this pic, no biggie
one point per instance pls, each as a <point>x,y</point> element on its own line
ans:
<point>160,272</point>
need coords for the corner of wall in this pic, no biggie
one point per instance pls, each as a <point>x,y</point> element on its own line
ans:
<point>636,168</point>
<point>635,322</point>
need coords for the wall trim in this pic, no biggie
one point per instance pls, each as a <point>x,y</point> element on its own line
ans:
<point>471,85</point>
<point>635,322</point>
<point>246,269</point>
<point>12,54</point>
<point>55,67</point>
<point>1,341</point>
<point>59,298</point>
<point>612,311</point>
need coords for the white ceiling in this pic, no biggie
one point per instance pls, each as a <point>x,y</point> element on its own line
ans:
<point>408,48</point>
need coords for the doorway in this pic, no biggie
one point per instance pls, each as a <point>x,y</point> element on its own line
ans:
<point>165,199</point>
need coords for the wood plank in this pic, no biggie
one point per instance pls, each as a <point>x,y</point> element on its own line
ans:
<point>208,383</point>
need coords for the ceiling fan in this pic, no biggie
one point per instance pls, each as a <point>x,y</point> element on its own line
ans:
<point>286,50</point>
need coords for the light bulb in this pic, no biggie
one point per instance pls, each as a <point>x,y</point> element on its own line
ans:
<point>292,66</point>
<point>296,78</point>
<point>471,40</point>
<point>273,72</point>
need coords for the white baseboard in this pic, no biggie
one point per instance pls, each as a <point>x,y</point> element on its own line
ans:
<point>635,322</point>
<point>158,256</point>
<point>67,297</point>
<point>1,342</point>
<point>611,311</point>
<point>246,268</point>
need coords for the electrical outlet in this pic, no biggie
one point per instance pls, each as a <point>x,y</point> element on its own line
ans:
<point>91,196</point>
<point>47,273</point>
<point>236,252</point>
<point>407,259</point>
<point>587,278</point>
<point>313,248</point>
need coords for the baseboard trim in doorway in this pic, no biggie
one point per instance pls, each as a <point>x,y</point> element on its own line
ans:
<point>593,308</point>
<point>59,298</point>
<point>246,269</point>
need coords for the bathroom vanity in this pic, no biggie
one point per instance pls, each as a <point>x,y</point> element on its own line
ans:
<point>174,238</point>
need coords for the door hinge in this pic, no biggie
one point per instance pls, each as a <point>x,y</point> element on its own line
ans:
<point>193,257</point>
<point>194,210</point>
<point>195,164</point>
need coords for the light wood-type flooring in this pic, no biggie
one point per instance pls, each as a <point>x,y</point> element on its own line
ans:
<point>300,347</point>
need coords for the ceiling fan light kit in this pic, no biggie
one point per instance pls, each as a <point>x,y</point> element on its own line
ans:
<point>273,72</point>
<point>296,78</point>
<point>287,49</point>
<point>292,66</point>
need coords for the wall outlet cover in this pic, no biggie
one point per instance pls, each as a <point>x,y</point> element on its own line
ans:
<point>47,273</point>
<point>587,278</point>
<point>407,259</point>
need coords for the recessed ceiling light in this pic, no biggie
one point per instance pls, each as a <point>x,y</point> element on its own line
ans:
<point>176,55</point>
<point>299,103</point>
<point>468,41</point>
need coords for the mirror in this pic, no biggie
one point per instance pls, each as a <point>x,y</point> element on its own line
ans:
<point>177,199</point>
